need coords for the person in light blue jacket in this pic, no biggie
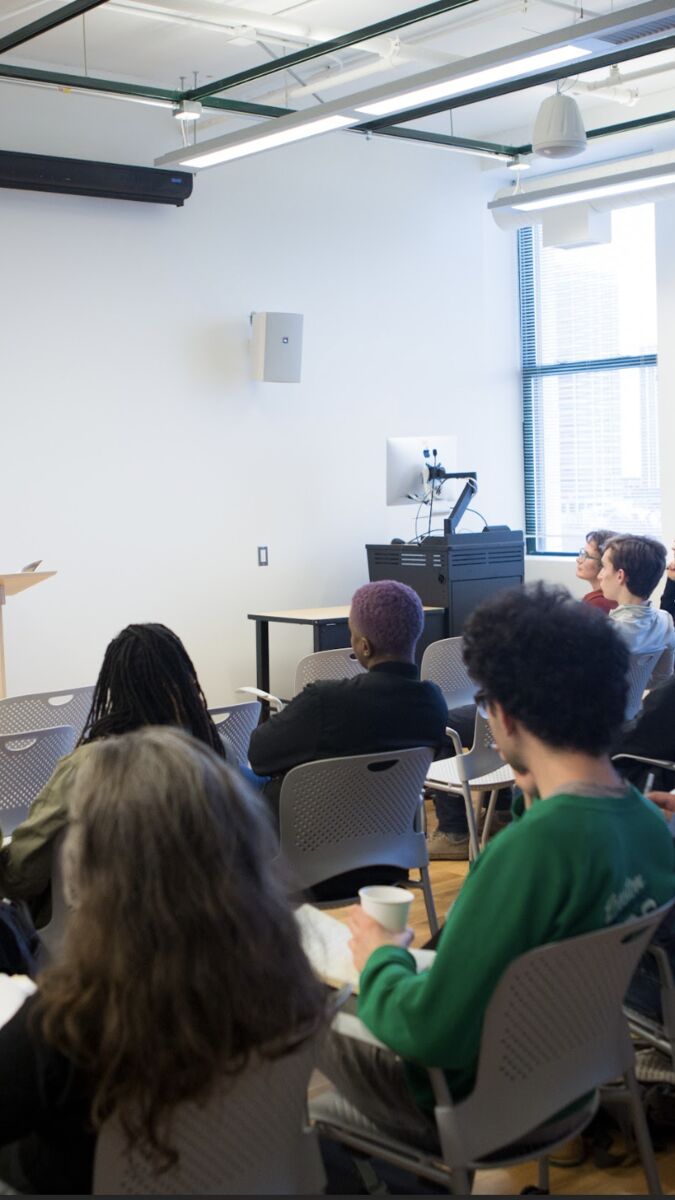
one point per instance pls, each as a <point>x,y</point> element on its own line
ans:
<point>631,569</point>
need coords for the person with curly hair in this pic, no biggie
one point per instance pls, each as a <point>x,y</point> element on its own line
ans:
<point>179,936</point>
<point>589,851</point>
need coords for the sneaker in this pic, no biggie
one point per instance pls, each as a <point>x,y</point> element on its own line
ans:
<point>454,846</point>
<point>570,1154</point>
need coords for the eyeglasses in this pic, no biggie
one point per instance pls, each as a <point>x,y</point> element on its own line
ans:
<point>583,554</point>
<point>482,701</point>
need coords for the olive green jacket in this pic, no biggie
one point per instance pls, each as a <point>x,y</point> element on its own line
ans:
<point>26,862</point>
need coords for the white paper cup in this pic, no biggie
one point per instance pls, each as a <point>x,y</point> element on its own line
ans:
<point>388,905</point>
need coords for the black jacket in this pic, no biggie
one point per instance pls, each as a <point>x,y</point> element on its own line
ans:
<point>653,736</point>
<point>668,597</point>
<point>386,708</point>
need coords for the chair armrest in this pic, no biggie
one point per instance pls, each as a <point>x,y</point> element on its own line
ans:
<point>455,739</point>
<point>349,1025</point>
<point>273,701</point>
<point>662,763</point>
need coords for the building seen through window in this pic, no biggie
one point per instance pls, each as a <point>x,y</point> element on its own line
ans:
<point>588,324</point>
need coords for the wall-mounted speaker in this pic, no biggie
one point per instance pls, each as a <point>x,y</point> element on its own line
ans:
<point>277,347</point>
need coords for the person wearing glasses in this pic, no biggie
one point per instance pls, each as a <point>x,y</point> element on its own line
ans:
<point>589,851</point>
<point>589,562</point>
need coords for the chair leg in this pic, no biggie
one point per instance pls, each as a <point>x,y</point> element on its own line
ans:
<point>429,899</point>
<point>644,1142</point>
<point>460,1182</point>
<point>543,1181</point>
<point>474,848</point>
<point>488,817</point>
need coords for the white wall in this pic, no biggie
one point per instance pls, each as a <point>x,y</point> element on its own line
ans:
<point>138,457</point>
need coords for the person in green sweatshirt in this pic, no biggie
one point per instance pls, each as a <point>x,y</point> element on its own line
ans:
<point>585,851</point>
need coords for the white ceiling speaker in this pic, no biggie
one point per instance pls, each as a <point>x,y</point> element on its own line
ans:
<point>559,129</point>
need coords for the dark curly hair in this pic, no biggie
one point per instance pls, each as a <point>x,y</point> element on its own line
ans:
<point>557,666</point>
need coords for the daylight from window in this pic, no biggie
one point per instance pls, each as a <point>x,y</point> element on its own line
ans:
<point>588,318</point>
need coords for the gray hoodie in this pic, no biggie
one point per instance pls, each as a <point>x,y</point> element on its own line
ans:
<point>647,630</point>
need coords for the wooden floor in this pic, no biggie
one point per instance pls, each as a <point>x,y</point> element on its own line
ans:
<point>586,1180</point>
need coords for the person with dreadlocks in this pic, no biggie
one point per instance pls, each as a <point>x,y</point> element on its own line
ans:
<point>147,678</point>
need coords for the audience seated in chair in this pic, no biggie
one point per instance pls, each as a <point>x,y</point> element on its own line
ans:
<point>385,708</point>
<point>631,569</point>
<point>668,597</point>
<point>147,678</point>
<point>590,851</point>
<point>589,562</point>
<point>181,959</point>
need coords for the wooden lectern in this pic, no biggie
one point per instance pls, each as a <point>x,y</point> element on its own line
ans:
<point>17,581</point>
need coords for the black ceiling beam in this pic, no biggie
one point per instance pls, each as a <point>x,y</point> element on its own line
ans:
<point>59,17</point>
<point>402,21</point>
<point>518,85</point>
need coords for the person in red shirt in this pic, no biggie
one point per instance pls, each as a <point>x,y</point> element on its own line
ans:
<point>589,561</point>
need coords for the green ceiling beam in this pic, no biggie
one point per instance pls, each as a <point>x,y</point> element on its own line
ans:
<point>143,91</point>
<point>403,20</point>
<point>445,139</point>
<point>52,20</point>
<point>521,84</point>
<point>622,127</point>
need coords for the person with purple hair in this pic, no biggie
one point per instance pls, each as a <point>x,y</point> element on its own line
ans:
<point>386,707</point>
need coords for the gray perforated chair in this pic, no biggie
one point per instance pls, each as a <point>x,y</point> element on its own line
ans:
<point>27,762</point>
<point>249,1139</point>
<point>554,1032</point>
<point>46,710</point>
<point>442,664</point>
<point>640,670</point>
<point>343,814</point>
<point>326,664</point>
<point>481,768</point>
<point>236,722</point>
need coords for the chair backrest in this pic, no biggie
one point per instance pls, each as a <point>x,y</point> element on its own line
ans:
<point>237,722</point>
<point>45,710</point>
<point>640,668</point>
<point>554,1030</point>
<point>51,934</point>
<point>249,1138</point>
<point>442,664</point>
<point>27,762</point>
<point>326,664</point>
<point>345,813</point>
<point>483,757</point>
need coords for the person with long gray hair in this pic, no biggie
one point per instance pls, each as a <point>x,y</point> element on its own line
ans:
<point>181,958</point>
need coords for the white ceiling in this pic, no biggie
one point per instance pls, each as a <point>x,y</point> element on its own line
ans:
<point>172,43</point>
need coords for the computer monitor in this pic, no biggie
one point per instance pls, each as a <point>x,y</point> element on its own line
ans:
<point>408,469</point>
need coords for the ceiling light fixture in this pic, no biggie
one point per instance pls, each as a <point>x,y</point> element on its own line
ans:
<point>626,183</point>
<point>252,141</point>
<point>559,128</point>
<point>248,142</point>
<point>597,191</point>
<point>188,110</point>
<point>475,79</point>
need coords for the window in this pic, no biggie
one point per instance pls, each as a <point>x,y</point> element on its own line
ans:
<point>588,326</point>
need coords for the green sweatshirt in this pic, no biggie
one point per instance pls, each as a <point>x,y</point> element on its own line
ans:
<point>569,865</point>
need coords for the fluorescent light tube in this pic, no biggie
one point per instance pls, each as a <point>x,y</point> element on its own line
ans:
<point>595,192</point>
<point>239,146</point>
<point>476,79</point>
